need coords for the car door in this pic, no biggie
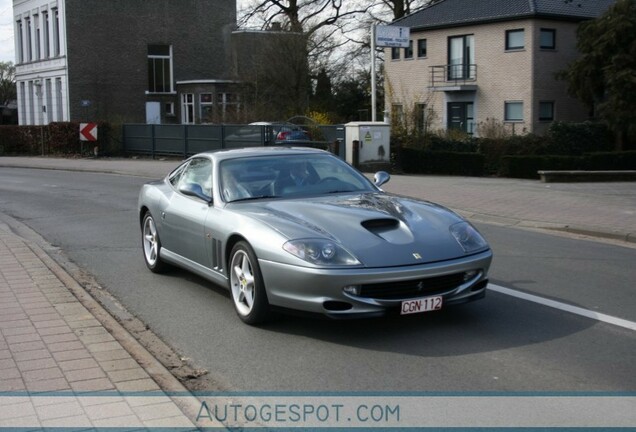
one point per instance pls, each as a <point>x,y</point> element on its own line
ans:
<point>184,218</point>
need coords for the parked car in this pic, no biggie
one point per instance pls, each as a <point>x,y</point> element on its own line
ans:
<point>284,132</point>
<point>299,229</point>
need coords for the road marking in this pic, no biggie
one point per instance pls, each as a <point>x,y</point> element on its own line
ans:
<point>565,307</point>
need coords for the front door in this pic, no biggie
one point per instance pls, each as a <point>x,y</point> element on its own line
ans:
<point>460,116</point>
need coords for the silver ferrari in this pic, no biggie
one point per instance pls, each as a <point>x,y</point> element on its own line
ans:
<point>300,229</point>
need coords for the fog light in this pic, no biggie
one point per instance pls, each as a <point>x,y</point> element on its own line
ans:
<point>470,274</point>
<point>352,289</point>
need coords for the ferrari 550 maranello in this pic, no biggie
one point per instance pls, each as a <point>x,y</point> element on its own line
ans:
<point>300,229</point>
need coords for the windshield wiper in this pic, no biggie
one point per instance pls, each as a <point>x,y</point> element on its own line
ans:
<point>254,198</point>
<point>340,191</point>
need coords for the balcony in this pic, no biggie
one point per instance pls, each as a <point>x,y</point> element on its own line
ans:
<point>454,78</point>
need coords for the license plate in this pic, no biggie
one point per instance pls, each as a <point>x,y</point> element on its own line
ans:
<point>426,304</point>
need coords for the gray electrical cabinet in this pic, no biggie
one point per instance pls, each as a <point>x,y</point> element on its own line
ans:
<point>369,141</point>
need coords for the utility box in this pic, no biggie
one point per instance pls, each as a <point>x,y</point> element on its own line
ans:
<point>368,144</point>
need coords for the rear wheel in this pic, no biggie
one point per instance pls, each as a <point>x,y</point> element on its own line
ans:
<point>246,285</point>
<point>151,245</point>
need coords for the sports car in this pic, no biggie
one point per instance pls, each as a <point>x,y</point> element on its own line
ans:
<point>298,229</point>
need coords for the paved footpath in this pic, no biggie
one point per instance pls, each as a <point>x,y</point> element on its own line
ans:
<point>64,362</point>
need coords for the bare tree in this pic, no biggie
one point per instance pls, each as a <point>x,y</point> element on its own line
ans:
<point>335,33</point>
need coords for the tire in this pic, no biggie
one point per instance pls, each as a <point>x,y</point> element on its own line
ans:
<point>151,245</point>
<point>246,285</point>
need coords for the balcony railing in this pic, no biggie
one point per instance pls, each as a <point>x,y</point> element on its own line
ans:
<point>453,75</point>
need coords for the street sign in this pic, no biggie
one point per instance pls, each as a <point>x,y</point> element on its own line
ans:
<point>88,132</point>
<point>392,36</point>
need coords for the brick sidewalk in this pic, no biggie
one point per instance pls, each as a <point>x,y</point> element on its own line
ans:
<point>50,342</point>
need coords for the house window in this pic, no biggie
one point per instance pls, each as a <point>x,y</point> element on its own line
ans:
<point>22,105</point>
<point>422,117</point>
<point>187,108</point>
<point>59,100</point>
<point>513,111</point>
<point>36,23</point>
<point>206,105</point>
<point>56,33</point>
<point>397,114</point>
<point>395,53</point>
<point>29,40</point>
<point>546,111</point>
<point>461,56</point>
<point>20,53</point>
<point>421,48</point>
<point>47,36</point>
<point>229,104</point>
<point>408,52</point>
<point>547,39</point>
<point>169,107</point>
<point>515,39</point>
<point>159,69</point>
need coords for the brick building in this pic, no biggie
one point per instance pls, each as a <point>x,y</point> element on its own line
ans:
<point>167,61</point>
<point>472,61</point>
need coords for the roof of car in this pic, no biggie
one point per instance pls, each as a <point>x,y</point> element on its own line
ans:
<point>259,151</point>
<point>451,13</point>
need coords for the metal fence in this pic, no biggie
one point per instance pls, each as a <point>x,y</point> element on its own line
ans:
<point>186,140</point>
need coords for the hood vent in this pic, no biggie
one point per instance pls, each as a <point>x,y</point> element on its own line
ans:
<point>380,225</point>
<point>389,229</point>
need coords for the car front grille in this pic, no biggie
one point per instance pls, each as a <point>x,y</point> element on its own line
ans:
<point>412,288</point>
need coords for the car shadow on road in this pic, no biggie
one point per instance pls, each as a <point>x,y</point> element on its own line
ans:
<point>496,323</point>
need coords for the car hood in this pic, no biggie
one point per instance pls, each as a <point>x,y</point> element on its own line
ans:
<point>381,230</point>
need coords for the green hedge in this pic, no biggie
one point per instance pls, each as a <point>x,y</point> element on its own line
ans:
<point>527,166</point>
<point>60,138</point>
<point>602,161</point>
<point>415,161</point>
<point>575,139</point>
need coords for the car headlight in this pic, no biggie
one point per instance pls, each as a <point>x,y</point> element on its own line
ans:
<point>468,237</point>
<point>320,252</point>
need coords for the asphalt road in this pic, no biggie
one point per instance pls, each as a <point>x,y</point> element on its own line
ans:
<point>499,344</point>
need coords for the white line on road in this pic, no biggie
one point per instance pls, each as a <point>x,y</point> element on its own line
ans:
<point>565,307</point>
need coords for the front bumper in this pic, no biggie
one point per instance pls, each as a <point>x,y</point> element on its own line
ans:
<point>321,291</point>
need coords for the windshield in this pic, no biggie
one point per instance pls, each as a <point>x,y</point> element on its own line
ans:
<point>285,176</point>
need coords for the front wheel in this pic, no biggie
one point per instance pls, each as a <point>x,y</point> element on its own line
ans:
<point>246,285</point>
<point>151,245</point>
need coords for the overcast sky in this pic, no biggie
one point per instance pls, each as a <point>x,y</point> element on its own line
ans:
<point>6,31</point>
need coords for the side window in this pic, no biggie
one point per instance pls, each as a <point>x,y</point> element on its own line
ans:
<point>198,172</point>
<point>175,176</point>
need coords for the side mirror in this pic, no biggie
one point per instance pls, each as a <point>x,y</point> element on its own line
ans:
<point>194,190</point>
<point>381,177</point>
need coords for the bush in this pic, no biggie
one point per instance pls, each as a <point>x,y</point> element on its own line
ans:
<point>527,166</point>
<point>495,149</point>
<point>438,162</point>
<point>603,161</point>
<point>60,138</point>
<point>574,139</point>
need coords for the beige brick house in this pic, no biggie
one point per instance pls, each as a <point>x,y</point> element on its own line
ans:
<point>474,61</point>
